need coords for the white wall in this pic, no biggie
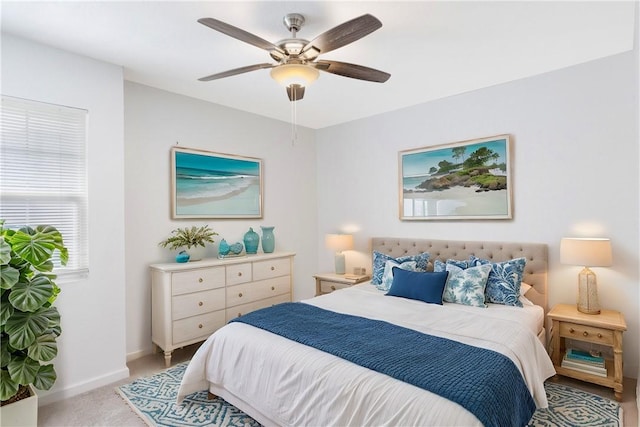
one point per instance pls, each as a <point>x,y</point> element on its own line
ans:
<point>154,121</point>
<point>91,349</point>
<point>575,173</point>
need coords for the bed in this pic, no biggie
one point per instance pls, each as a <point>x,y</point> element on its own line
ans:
<point>279,381</point>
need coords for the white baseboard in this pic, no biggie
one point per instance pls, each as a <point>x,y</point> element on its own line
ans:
<point>138,354</point>
<point>46,398</point>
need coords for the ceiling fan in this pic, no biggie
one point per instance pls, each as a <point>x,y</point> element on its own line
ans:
<point>296,59</point>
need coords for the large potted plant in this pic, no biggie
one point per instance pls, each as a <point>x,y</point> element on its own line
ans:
<point>192,239</point>
<point>29,323</point>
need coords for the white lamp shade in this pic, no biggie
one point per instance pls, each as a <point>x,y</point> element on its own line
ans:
<point>586,252</point>
<point>299,74</point>
<point>339,242</point>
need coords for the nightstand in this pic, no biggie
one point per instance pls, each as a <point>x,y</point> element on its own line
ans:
<point>329,282</point>
<point>604,329</point>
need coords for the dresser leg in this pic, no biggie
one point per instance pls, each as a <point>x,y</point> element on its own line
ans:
<point>167,359</point>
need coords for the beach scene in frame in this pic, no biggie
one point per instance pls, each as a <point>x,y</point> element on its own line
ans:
<point>461,180</point>
<point>213,185</point>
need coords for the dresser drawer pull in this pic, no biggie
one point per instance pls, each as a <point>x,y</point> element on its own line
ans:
<point>240,295</point>
<point>333,288</point>
<point>272,268</point>
<point>273,288</point>
<point>585,333</point>
<point>239,314</point>
<point>239,273</point>
<point>199,279</point>
<point>200,304</point>
<point>200,326</point>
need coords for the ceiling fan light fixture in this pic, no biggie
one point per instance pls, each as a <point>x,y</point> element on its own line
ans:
<point>288,74</point>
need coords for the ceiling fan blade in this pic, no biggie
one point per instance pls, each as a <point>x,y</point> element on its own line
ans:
<point>341,35</point>
<point>236,71</point>
<point>352,70</point>
<point>295,92</point>
<point>241,35</point>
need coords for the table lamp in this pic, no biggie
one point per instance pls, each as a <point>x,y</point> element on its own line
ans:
<point>586,252</point>
<point>339,243</point>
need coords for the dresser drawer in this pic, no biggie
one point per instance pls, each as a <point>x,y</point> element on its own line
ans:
<point>184,282</point>
<point>271,268</point>
<point>188,305</point>
<point>250,292</point>
<point>197,326</point>
<point>586,333</point>
<point>241,310</point>
<point>238,273</point>
<point>328,287</point>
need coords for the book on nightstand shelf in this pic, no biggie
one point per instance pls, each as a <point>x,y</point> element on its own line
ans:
<point>585,356</point>
<point>583,365</point>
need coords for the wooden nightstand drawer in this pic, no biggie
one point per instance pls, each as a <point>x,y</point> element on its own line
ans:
<point>328,287</point>
<point>586,333</point>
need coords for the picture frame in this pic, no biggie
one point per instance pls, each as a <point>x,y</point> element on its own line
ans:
<point>206,184</point>
<point>457,181</point>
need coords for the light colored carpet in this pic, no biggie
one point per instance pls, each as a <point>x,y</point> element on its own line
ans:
<point>153,399</point>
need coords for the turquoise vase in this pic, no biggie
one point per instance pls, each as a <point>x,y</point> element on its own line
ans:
<point>268,240</point>
<point>223,248</point>
<point>251,240</point>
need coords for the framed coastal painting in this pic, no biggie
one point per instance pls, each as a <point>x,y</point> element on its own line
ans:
<point>205,184</point>
<point>462,180</point>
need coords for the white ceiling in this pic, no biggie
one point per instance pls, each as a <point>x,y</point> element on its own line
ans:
<point>432,49</point>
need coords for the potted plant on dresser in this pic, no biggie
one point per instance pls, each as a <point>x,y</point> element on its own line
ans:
<point>192,239</point>
<point>30,324</point>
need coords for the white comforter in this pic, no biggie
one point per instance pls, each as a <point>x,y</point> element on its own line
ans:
<point>280,382</point>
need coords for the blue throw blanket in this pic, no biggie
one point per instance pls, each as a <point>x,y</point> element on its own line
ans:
<point>484,382</point>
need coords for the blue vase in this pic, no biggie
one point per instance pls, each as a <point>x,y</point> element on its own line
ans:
<point>268,239</point>
<point>236,248</point>
<point>251,240</point>
<point>223,248</point>
<point>182,256</point>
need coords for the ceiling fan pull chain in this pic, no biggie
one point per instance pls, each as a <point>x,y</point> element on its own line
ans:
<point>294,118</point>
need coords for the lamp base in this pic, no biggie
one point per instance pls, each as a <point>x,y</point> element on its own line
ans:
<point>340,264</point>
<point>588,292</point>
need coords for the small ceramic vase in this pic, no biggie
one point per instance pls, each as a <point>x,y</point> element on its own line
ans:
<point>268,239</point>
<point>182,256</point>
<point>251,240</point>
<point>223,247</point>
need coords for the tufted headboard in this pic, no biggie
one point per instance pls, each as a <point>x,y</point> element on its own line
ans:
<point>535,253</point>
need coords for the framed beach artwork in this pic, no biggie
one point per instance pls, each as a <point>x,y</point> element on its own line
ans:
<point>461,180</point>
<point>205,184</point>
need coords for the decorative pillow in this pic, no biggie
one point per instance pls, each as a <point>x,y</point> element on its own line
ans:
<point>503,286</point>
<point>387,277</point>
<point>379,259</point>
<point>442,266</point>
<point>420,286</point>
<point>524,288</point>
<point>466,287</point>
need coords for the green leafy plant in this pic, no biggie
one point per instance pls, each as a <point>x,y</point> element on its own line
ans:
<point>29,324</point>
<point>189,237</point>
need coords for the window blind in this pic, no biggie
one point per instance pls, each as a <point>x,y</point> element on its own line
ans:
<point>43,175</point>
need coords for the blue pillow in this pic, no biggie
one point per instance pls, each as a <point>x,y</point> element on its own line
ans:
<point>379,260</point>
<point>442,266</point>
<point>466,286</point>
<point>422,286</point>
<point>503,285</point>
<point>387,277</point>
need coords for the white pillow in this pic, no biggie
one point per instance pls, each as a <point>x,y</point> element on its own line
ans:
<point>387,276</point>
<point>524,288</point>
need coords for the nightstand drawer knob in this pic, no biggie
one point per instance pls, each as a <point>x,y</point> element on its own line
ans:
<point>572,330</point>
<point>240,295</point>
<point>200,280</point>
<point>599,335</point>
<point>333,288</point>
<point>200,304</point>
<point>585,333</point>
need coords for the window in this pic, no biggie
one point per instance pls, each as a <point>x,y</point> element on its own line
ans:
<point>43,174</point>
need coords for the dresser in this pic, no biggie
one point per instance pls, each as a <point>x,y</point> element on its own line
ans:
<point>190,301</point>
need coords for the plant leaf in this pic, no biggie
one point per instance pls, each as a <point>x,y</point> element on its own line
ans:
<point>37,245</point>
<point>5,252</point>
<point>44,348</point>
<point>9,276</point>
<point>45,378</point>
<point>6,311</point>
<point>24,327</point>
<point>5,354</point>
<point>8,386</point>
<point>23,369</point>
<point>31,295</point>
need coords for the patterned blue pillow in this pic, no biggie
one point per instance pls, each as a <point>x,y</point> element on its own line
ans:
<point>503,286</point>
<point>379,260</point>
<point>442,266</point>
<point>466,286</point>
<point>387,277</point>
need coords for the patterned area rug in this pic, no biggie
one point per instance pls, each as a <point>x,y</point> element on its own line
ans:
<point>154,400</point>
